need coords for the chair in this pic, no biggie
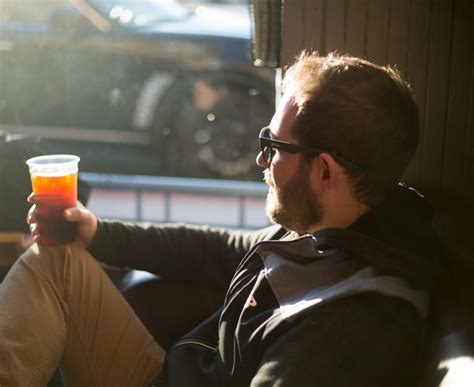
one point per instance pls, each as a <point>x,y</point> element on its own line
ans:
<point>168,308</point>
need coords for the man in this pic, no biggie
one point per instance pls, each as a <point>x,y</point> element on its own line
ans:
<point>340,299</point>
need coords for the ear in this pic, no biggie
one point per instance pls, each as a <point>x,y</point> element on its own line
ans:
<point>328,172</point>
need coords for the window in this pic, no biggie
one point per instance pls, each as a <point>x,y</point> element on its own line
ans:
<point>136,87</point>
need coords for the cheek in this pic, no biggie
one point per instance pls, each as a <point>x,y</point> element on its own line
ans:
<point>279,163</point>
<point>278,157</point>
<point>278,176</point>
<point>282,168</point>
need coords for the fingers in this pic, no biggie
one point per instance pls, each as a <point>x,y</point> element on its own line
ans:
<point>73,214</point>
<point>31,216</point>
<point>85,220</point>
<point>35,235</point>
<point>31,219</point>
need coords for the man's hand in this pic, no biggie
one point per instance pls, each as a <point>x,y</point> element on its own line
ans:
<point>86,222</point>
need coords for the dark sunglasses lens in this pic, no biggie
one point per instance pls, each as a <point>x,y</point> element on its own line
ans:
<point>267,154</point>
<point>267,150</point>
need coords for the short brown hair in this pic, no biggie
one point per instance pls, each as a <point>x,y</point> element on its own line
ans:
<point>360,111</point>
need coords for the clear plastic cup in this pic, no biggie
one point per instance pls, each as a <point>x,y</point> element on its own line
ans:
<point>54,183</point>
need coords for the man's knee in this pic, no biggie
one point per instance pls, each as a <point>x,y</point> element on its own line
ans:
<point>57,264</point>
<point>55,254</point>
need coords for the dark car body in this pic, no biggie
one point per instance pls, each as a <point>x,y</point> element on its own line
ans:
<point>176,95</point>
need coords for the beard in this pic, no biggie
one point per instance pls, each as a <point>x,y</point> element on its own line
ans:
<point>294,206</point>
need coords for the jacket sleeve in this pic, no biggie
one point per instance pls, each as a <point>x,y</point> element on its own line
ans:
<point>189,253</point>
<point>366,340</point>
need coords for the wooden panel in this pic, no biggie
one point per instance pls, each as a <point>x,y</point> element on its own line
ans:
<point>397,45</point>
<point>334,33</point>
<point>457,134</point>
<point>314,26</point>
<point>432,43</point>
<point>418,41</point>
<point>470,143</point>
<point>294,33</point>
<point>431,147</point>
<point>356,27</point>
<point>378,24</point>
<point>302,28</point>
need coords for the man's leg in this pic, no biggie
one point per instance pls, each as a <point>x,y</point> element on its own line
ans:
<point>57,305</point>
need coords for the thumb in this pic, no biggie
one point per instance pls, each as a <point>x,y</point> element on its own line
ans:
<point>75,214</point>
<point>86,223</point>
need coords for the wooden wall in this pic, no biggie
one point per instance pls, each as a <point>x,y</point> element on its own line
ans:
<point>432,43</point>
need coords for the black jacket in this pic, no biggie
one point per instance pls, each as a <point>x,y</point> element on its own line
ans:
<point>338,308</point>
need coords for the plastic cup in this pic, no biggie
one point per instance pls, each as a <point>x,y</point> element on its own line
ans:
<point>54,183</point>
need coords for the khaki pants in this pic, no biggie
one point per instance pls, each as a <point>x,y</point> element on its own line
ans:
<point>58,307</point>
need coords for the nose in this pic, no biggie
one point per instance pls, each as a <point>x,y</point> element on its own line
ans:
<point>261,161</point>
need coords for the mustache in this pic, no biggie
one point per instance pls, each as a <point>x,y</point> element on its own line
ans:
<point>267,178</point>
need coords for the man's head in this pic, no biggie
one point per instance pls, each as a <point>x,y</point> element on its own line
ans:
<point>356,114</point>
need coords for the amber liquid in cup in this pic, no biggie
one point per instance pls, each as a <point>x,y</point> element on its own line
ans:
<point>52,196</point>
<point>54,183</point>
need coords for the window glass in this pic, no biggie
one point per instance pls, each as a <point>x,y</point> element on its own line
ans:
<point>27,11</point>
<point>139,13</point>
<point>154,87</point>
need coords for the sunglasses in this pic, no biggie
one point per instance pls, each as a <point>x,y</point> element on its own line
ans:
<point>268,147</point>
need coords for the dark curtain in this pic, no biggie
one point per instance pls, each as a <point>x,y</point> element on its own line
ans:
<point>266,16</point>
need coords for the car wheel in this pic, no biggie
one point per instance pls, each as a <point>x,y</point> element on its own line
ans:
<point>207,125</point>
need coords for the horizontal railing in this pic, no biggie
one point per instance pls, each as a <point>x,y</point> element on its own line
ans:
<point>221,202</point>
<point>177,184</point>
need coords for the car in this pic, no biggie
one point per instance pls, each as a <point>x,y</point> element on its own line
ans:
<point>135,86</point>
